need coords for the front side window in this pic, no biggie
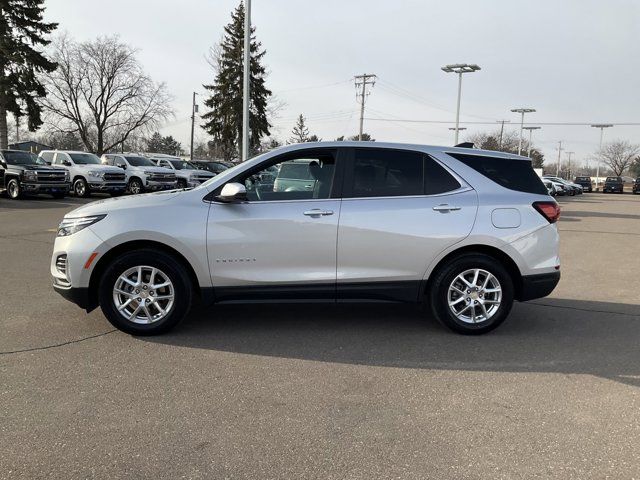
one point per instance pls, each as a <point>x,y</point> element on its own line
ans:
<point>47,156</point>
<point>183,165</point>
<point>305,177</point>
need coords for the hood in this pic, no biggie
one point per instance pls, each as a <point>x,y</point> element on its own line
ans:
<point>100,167</point>
<point>123,203</point>
<point>153,169</point>
<point>41,168</point>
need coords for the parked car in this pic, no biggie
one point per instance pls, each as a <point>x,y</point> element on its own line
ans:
<point>21,174</point>
<point>636,186</point>
<point>465,231</point>
<point>142,174</point>
<point>554,188</point>
<point>613,185</point>
<point>570,187</point>
<point>87,174</point>
<point>585,183</point>
<point>187,174</point>
<point>213,166</point>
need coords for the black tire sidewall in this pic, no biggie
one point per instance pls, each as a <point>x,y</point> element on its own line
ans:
<point>438,296</point>
<point>175,270</point>
<point>86,188</point>
<point>139,183</point>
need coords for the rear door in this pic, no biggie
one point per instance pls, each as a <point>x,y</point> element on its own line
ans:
<point>400,209</point>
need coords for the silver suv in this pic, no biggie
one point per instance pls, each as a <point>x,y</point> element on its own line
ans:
<point>142,174</point>
<point>465,231</point>
<point>86,172</point>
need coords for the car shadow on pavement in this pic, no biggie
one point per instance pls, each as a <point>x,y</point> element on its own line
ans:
<point>545,336</point>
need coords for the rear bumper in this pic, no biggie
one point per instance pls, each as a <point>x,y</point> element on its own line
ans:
<point>538,286</point>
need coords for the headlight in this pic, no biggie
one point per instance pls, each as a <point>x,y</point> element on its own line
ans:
<point>95,173</point>
<point>29,175</point>
<point>148,173</point>
<point>69,226</point>
<point>67,177</point>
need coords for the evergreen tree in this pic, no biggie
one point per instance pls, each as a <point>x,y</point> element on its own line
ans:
<point>224,121</point>
<point>22,31</point>
<point>154,144</point>
<point>300,132</point>
<point>159,144</point>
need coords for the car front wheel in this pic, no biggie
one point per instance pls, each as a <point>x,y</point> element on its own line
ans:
<point>135,186</point>
<point>145,292</point>
<point>13,189</point>
<point>473,294</point>
<point>80,188</point>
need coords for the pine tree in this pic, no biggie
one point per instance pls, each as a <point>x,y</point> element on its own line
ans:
<point>300,132</point>
<point>224,121</point>
<point>22,31</point>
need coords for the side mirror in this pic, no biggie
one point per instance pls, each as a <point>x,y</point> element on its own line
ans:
<point>232,192</point>
<point>123,166</point>
<point>66,163</point>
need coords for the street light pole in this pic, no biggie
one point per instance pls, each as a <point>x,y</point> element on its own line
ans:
<point>522,111</point>
<point>247,71</point>
<point>194,110</point>
<point>531,129</point>
<point>559,152</point>
<point>501,122</point>
<point>601,126</point>
<point>569,164</point>
<point>459,68</point>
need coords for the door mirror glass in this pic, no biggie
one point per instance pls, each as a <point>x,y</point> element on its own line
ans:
<point>233,192</point>
<point>66,163</point>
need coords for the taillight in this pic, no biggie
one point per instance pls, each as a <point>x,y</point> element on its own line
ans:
<point>549,210</point>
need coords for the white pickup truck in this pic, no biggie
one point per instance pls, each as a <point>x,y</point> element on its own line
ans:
<point>142,174</point>
<point>86,172</point>
<point>187,173</point>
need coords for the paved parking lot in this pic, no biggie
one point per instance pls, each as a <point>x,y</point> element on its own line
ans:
<point>322,391</point>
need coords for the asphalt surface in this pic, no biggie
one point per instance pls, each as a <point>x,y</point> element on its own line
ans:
<point>324,391</point>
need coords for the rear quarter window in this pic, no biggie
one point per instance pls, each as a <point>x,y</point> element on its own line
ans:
<point>513,174</point>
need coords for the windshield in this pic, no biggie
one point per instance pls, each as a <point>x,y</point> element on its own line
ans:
<point>583,179</point>
<point>614,179</point>
<point>182,165</point>
<point>84,158</point>
<point>20,158</point>
<point>140,162</point>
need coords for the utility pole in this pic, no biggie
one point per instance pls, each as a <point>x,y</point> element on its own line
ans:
<point>361,82</point>
<point>522,111</point>
<point>459,68</point>
<point>501,122</point>
<point>559,152</point>
<point>569,164</point>
<point>457,129</point>
<point>194,110</point>
<point>246,92</point>
<point>531,129</point>
<point>601,126</point>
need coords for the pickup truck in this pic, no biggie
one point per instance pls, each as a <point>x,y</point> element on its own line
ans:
<point>87,173</point>
<point>188,175</point>
<point>613,185</point>
<point>22,174</point>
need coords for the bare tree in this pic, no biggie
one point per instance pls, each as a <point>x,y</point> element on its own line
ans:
<point>101,92</point>
<point>505,142</point>
<point>619,155</point>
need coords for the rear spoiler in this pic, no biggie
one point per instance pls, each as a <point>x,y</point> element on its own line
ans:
<point>465,145</point>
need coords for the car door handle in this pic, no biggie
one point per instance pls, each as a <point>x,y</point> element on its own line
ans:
<point>316,212</point>
<point>445,208</point>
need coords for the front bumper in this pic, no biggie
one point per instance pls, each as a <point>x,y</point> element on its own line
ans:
<point>154,185</point>
<point>538,286</point>
<point>28,187</point>
<point>77,295</point>
<point>107,186</point>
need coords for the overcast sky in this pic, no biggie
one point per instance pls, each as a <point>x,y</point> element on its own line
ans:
<point>572,60</point>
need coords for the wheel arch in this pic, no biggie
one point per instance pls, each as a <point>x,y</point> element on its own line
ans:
<point>125,247</point>
<point>505,260</point>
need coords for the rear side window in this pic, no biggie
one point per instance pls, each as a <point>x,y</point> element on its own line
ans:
<point>437,179</point>
<point>387,173</point>
<point>509,173</point>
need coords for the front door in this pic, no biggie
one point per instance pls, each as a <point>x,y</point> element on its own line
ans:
<point>282,241</point>
<point>400,210</point>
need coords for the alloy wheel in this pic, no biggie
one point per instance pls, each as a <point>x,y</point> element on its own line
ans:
<point>143,294</point>
<point>474,296</point>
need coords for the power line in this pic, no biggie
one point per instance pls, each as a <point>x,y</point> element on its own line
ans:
<point>576,124</point>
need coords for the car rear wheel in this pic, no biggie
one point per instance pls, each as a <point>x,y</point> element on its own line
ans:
<point>13,189</point>
<point>473,294</point>
<point>145,292</point>
<point>80,188</point>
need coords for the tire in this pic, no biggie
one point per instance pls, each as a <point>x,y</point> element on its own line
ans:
<point>168,269</point>
<point>80,188</point>
<point>14,192</point>
<point>135,186</point>
<point>181,183</point>
<point>448,276</point>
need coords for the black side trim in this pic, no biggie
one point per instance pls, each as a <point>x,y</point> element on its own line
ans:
<point>404,291</point>
<point>79,296</point>
<point>538,286</point>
